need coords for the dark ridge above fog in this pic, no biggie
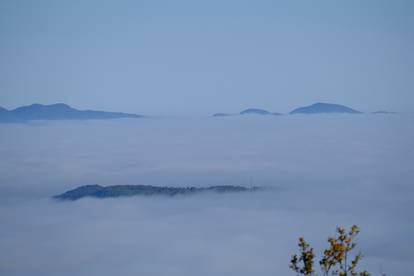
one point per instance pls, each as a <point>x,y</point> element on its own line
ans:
<point>384,112</point>
<point>58,111</point>
<point>98,191</point>
<point>222,115</point>
<point>257,111</point>
<point>249,111</point>
<point>316,108</point>
<point>324,108</point>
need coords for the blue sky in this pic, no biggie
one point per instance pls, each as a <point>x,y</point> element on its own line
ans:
<point>202,57</point>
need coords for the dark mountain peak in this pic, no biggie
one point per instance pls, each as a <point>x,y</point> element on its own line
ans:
<point>80,192</point>
<point>40,110</point>
<point>324,108</point>
<point>98,191</point>
<point>59,111</point>
<point>255,111</point>
<point>60,105</point>
<point>383,112</point>
<point>249,111</point>
<point>43,107</point>
<point>221,115</point>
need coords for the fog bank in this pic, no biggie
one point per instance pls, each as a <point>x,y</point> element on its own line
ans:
<point>319,171</point>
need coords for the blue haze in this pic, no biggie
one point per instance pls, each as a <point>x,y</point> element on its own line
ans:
<point>203,57</point>
<point>198,58</point>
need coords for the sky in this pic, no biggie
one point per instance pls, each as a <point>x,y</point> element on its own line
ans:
<point>202,57</point>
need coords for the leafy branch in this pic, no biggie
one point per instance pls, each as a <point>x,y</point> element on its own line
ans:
<point>336,260</point>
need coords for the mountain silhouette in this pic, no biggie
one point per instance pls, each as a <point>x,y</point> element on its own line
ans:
<point>221,115</point>
<point>98,191</point>
<point>58,111</point>
<point>383,112</point>
<point>249,111</point>
<point>324,108</point>
<point>255,111</point>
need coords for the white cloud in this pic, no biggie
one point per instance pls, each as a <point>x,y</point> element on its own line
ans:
<point>321,170</point>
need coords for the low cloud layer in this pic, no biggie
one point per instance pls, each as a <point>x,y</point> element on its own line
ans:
<point>320,171</point>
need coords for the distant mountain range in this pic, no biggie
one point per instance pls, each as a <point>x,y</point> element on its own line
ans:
<point>61,111</point>
<point>222,115</point>
<point>324,108</point>
<point>249,111</point>
<point>98,191</point>
<point>257,111</point>
<point>316,108</point>
<point>58,111</point>
<point>384,112</point>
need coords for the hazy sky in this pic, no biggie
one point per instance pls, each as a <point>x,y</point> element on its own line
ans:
<point>176,57</point>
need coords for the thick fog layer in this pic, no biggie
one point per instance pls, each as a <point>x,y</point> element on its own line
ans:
<point>320,172</point>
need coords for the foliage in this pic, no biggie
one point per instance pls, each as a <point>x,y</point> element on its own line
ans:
<point>336,260</point>
<point>306,258</point>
